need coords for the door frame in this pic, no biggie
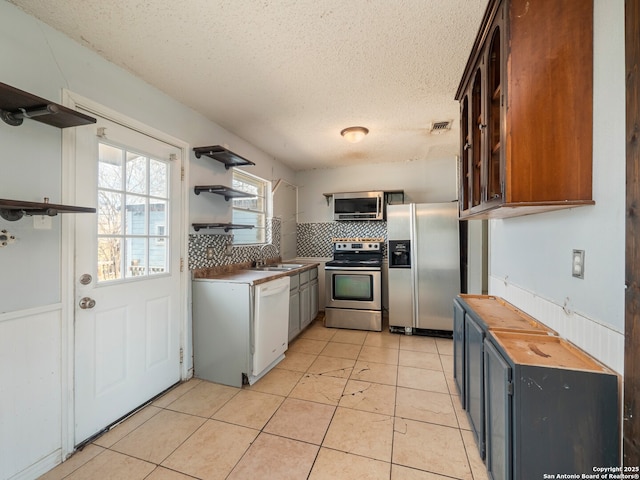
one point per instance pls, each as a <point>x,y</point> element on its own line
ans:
<point>631,396</point>
<point>68,168</point>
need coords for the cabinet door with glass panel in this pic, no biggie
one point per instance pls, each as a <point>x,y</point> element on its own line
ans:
<point>495,117</point>
<point>482,128</point>
<point>526,110</point>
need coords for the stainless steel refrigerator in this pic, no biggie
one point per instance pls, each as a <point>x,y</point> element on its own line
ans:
<point>424,265</point>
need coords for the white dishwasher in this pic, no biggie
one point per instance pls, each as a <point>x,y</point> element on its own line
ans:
<point>270,324</point>
<point>240,329</point>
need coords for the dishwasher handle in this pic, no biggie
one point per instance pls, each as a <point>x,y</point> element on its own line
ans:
<point>267,290</point>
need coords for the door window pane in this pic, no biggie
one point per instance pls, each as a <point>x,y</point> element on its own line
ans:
<point>136,173</point>
<point>109,213</point>
<point>133,214</point>
<point>158,178</point>
<point>109,167</point>
<point>109,259</point>
<point>136,257</point>
<point>136,215</point>
<point>158,256</point>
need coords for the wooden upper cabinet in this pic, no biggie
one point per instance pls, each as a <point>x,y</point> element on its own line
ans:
<point>526,110</point>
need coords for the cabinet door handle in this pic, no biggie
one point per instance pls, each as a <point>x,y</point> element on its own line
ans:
<point>482,126</point>
<point>467,146</point>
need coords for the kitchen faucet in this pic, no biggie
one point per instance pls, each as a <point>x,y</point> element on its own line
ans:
<point>261,261</point>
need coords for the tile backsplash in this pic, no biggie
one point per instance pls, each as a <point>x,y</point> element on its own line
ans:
<point>226,254</point>
<point>313,240</point>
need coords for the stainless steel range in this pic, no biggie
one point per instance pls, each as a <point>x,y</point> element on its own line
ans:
<point>354,285</point>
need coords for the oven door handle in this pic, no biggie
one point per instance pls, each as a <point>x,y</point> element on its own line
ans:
<point>359,269</point>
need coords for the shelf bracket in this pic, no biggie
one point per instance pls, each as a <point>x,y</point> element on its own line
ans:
<point>16,118</point>
<point>11,215</point>
<point>16,105</point>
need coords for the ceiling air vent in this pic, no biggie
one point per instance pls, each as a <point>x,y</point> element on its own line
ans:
<point>440,127</point>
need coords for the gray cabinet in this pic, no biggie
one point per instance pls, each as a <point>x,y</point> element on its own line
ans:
<point>294,306</point>
<point>303,301</point>
<point>550,408</point>
<point>498,411</point>
<point>474,379</point>
<point>314,294</point>
<point>222,316</point>
<point>239,328</point>
<point>458,348</point>
<point>474,316</point>
<point>536,403</point>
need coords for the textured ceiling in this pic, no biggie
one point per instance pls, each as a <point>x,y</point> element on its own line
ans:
<point>288,75</point>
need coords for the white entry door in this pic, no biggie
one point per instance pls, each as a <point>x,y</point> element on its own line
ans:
<point>127,273</point>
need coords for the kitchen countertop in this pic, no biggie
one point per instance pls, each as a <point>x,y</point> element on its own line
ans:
<point>243,273</point>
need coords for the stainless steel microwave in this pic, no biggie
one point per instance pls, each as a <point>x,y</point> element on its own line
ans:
<point>358,206</point>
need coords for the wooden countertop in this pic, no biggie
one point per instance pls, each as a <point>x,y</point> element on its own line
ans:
<point>498,314</point>
<point>545,350</point>
<point>243,273</point>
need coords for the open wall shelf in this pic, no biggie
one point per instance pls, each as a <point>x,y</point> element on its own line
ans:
<point>226,192</point>
<point>225,226</point>
<point>16,105</point>
<point>221,154</point>
<point>390,196</point>
<point>13,210</point>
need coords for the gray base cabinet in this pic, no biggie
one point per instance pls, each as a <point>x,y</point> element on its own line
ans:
<point>294,306</point>
<point>303,301</point>
<point>474,316</point>
<point>536,403</point>
<point>458,349</point>
<point>222,317</point>
<point>314,293</point>
<point>474,379</point>
<point>550,408</point>
<point>498,408</point>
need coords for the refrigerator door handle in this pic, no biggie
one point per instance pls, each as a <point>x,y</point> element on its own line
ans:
<point>414,264</point>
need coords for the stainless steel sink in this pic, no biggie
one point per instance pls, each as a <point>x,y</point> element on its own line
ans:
<point>280,267</point>
<point>290,266</point>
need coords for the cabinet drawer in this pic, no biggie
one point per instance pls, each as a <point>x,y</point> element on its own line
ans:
<point>294,281</point>
<point>313,274</point>
<point>304,277</point>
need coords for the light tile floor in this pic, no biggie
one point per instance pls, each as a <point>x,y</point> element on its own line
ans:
<point>344,404</point>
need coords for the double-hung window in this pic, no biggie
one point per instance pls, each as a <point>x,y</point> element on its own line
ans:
<point>250,211</point>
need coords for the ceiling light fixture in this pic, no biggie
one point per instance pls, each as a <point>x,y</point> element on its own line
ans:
<point>354,134</point>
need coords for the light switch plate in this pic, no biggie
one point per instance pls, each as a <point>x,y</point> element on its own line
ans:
<point>578,264</point>
<point>42,222</point>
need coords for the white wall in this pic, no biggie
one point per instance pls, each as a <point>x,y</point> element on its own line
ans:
<point>423,181</point>
<point>530,257</point>
<point>34,326</point>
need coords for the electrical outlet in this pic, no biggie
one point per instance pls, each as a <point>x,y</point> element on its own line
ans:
<point>209,253</point>
<point>578,263</point>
